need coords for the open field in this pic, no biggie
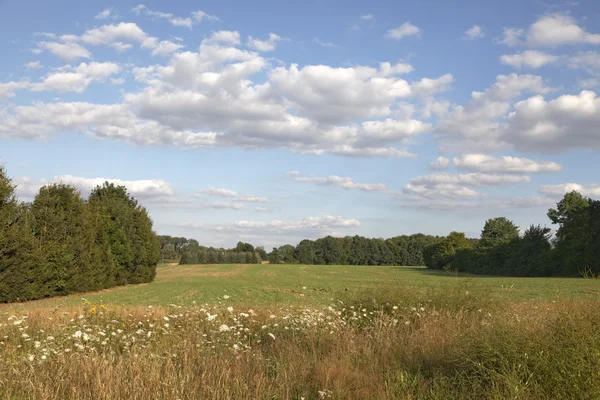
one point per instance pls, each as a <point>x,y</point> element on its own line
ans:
<point>308,332</point>
<point>265,284</point>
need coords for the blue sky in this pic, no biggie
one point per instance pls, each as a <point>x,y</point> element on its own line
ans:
<point>274,121</point>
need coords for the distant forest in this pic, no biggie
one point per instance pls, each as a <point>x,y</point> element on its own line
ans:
<point>573,251</point>
<point>62,243</point>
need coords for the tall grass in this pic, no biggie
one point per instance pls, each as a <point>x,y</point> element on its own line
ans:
<point>453,342</point>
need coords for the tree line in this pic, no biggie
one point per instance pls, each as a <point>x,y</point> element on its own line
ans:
<point>62,243</point>
<point>189,251</point>
<point>403,250</point>
<point>573,251</point>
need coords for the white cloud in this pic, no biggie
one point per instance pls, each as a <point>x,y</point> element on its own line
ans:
<point>121,47</point>
<point>505,164</point>
<point>208,98</point>
<point>264,45</point>
<point>473,179</point>
<point>477,126</point>
<point>227,37</point>
<point>221,205</point>
<point>556,191</point>
<point>71,79</point>
<point>550,30</point>
<point>342,182</point>
<point>166,47</point>
<point>404,30</point>
<point>590,83</point>
<point>367,17</point>
<point>567,122</point>
<point>200,16</point>
<point>108,34</point>
<point>68,51</point>
<point>475,32</point>
<point>324,43</point>
<point>34,65</point>
<point>337,95</point>
<point>428,87</point>
<point>106,14</point>
<point>530,58</point>
<point>150,190</point>
<point>309,226</point>
<point>440,191</point>
<point>7,89</point>
<point>187,22</point>
<point>559,29</point>
<point>512,36</point>
<point>588,60</point>
<point>440,164</point>
<point>387,69</point>
<point>218,192</point>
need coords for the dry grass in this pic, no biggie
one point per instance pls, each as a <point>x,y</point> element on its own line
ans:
<point>385,345</point>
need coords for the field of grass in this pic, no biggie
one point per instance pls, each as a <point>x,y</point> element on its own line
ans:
<point>186,285</point>
<point>308,332</point>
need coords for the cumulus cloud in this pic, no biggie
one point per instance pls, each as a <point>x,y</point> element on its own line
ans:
<point>566,122</point>
<point>323,43</point>
<point>472,179</point>
<point>504,164</point>
<point>550,30</point>
<point>8,89</point>
<point>34,65</point>
<point>309,226</point>
<point>76,79</point>
<point>68,51</point>
<point>342,182</point>
<point>474,32</point>
<point>149,190</point>
<point>264,45</point>
<point>530,59</point>
<point>218,192</point>
<point>477,126</point>
<point>402,31</point>
<point>187,22</point>
<point>557,191</point>
<point>210,97</point>
<point>441,163</point>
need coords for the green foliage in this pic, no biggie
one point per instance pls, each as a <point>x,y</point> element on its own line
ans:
<point>498,231</point>
<point>440,255</point>
<point>62,244</point>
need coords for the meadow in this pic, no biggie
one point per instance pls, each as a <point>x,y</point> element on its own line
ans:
<point>307,332</point>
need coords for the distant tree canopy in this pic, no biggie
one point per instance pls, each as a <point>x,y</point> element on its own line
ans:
<point>62,243</point>
<point>355,250</point>
<point>575,250</point>
<point>193,253</point>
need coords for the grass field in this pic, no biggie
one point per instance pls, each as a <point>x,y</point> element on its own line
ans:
<point>309,284</point>
<point>308,332</point>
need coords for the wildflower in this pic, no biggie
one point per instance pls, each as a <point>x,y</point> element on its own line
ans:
<point>272,336</point>
<point>31,357</point>
<point>226,297</point>
<point>18,322</point>
<point>86,337</point>
<point>395,307</point>
<point>50,338</point>
<point>44,357</point>
<point>223,328</point>
<point>140,331</point>
<point>166,318</point>
<point>422,308</point>
<point>303,287</point>
<point>24,336</point>
<point>230,309</point>
<point>37,344</point>
<point>210,317</point>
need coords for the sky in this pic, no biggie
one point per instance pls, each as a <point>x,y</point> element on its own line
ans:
<point>271,122</point>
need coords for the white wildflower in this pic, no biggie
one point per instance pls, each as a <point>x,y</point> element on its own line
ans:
<point>226,297</point>
<point>272,336</point>
<point>223,328</point>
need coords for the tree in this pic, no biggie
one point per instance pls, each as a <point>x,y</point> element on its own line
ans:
<point>441,254</point>
<point>274,256</point>
<point>574,238</point>
<point>532,256</point>
<point>497,231</point>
